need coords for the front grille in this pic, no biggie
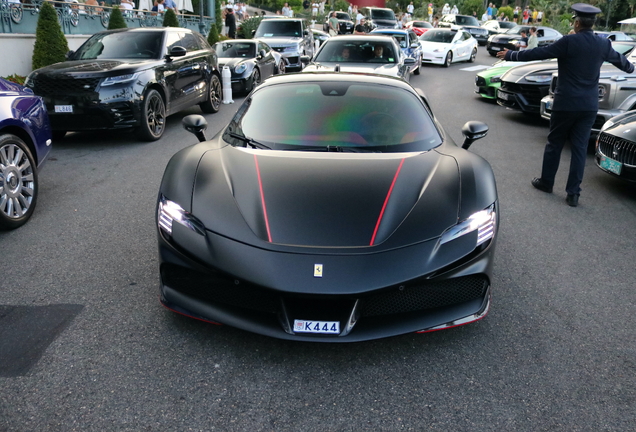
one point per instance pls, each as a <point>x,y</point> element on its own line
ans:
<point>531,93</point>
<point>216,287</point>
<point>63,86</point>
<point>619,149</point>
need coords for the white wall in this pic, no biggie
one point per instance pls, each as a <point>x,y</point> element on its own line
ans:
<point>17,51</point>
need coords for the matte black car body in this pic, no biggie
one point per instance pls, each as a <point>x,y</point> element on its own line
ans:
<point>187,76</point>
<point>511,37</point>
<point>345,24</point>
<point>250,61</point>
<point>468,23</point>
<point>616,147</point>
<point>256,263</point>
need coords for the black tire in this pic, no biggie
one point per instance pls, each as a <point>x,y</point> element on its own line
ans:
<point>58,135</point>
<point>256,79</point>
<point>18,182</point>
<point>473,56</point>
<point>449,59</point>
<point>215,96</point>
<point>153,117</point>
<point>280,68</point>
<point>419,68</point>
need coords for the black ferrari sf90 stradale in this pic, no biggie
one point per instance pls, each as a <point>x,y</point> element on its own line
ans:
<point>345,214</point>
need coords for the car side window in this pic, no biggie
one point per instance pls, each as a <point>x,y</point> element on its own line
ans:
<point>262,46</point>
<point>189,42</point>
<point>412,37</point>
<point>201,40</point>
<point>466,35</point>
<point>172,40</point>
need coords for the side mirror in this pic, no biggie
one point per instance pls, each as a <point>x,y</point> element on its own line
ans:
<point>195,124</point>
<point>262,53</point>
<point>177,51</point>
<point>415,45</point>
<point>472,131</point>
<point>306,32</point>
<point>69,55</point>
<point>305,59</point>
<point>409,61</point>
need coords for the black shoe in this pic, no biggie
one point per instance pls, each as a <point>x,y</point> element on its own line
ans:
<point>540,184</point>
<point>572,200</point>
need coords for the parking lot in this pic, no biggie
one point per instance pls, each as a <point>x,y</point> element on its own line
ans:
<point>556,352</point>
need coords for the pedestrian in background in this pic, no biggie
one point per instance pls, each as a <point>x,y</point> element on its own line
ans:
<point>580,57</point>
<point>230,23</point>
<point>333,24</point>
<point>533,40</point>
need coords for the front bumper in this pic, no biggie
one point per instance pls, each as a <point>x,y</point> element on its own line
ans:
<point>292,58</point>
<point>454,294</point>
<point>524,97</point>
<point>621,151</point>
<point>486,89</point>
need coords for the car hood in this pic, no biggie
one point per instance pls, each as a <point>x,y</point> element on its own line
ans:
<point>384,22</point>
<point>505,38</point>
<point>390,69</point>
<point>341,200</point>
<point>429,46</point>
<point>97,68</point>
<point>519,72</point>
<point>231,61</point>
<point>281,41</point>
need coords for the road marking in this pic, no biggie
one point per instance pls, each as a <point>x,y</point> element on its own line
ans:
<point>475,68</point>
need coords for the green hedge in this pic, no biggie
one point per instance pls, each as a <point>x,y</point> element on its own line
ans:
<point>51,45</point>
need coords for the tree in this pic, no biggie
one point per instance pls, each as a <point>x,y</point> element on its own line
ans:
<point>116,20</point>
<point>213,35</point>
<point>170,19</point>
<point>51,45</point>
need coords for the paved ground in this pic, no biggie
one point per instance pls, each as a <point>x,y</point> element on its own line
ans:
<point>555,353</point>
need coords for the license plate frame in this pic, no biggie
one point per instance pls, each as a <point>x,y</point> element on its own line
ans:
<point>317,327</point>
<point>503,96</point>
<point>611,165</point>
<point>63,109</point>
<point>492,48</point>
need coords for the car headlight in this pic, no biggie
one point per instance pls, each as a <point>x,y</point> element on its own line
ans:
<point>608,124</point>
<point>490,38</point>
<point>483,222</point>
<point>539,78</point>
<point>240,68</point>
<point>495,79</point>
<point>170,212</point>
<point>120,79</point>
<point>514,42</point>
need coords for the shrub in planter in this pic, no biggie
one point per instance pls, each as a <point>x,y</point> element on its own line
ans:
<point>213,34</point>
<point>116,20</point>
<point>51,45</point>
<point>170,19</point>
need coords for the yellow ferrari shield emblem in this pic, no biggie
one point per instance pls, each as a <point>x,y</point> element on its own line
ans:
<point>317,270</point>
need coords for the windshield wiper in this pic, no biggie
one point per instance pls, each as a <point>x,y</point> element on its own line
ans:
<point>249,141</point>
<point>335,149</point>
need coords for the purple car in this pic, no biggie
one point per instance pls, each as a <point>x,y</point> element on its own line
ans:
<point>25,142</point>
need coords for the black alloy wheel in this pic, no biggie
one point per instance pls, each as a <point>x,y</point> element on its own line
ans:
<point>18,182</point>
<point>449,59</point>
<point>280,68</point>
<point>473,56</point>
<point>153,117</point>
<point>215,96</point>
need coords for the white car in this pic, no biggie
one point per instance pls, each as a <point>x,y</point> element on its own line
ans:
<point>446,46</point>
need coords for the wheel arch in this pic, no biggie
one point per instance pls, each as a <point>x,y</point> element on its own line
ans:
<point>24,136</point>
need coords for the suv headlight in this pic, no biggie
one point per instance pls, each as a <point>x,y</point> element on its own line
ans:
<point>120,79</point>
<point>170,212</point>
<point>294,48</point>
<point>483,222</point>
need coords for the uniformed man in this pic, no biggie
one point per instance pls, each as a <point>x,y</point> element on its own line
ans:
<point>580,56</point>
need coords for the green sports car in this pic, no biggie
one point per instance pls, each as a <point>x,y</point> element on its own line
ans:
<point>488,81</point>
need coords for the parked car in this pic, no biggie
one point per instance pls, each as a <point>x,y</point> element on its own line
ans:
<point>130,78</point>
<point>496,26</point>
<point>446,46</point>
<point>511,38</point>
<point>488,81</point>
<point>345,24</point>
<point>380,18</point>
<point>356,53</point>
<point>250,61</point>
<point>291,37</point>
<point>465,22</point>
<point>345,214</point>
<point>409,44</point>
<point>419,27</point>
<point>523,87</point>
<point>614,35</point>
<point>25,143</point>
<point>320,36</point>
<point>616,147</point>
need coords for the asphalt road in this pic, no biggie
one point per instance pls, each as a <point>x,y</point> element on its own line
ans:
<point>79,296</point>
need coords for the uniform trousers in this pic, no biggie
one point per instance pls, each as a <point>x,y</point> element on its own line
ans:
<point>577,126</point>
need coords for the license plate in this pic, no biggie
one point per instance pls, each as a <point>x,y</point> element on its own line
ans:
<point>611,165</point>
<point>495,49</point>
<point>320,327</point>
<point>63,108</point>
<point>503,96</point>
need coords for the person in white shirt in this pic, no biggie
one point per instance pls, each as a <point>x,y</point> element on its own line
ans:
<point>454,10</point>
<point>358,18</point>
<point>446,9</point>
<point>410,8</point>
<point>485,17</point>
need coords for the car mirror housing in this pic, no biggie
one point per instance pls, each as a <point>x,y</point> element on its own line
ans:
<point>305,59</point>
<point>195,124</point>
<point>409,61</point>
<point>177,51</point>
<point>69,55</point>
<point>262,53</point>
<point>472,131</point>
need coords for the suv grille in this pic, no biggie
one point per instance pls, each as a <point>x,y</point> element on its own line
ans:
<point>619,149</point>
<point>46,86</point>
<point>531,93</point>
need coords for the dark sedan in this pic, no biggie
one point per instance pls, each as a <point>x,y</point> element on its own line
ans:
<point>25,142</point>
<point>345,214</point>
<point>616,147</point>
<point>512,37</point>
<point>250,61</point>
<point>130,78</point>
<point>345,24</point>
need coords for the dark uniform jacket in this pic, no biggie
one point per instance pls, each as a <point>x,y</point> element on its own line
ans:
<point>580,57</point>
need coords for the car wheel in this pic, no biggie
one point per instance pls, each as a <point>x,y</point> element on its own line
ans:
<point>419,67</point>
<point>280,69</point>
<point>473,55</point>
<point>449,59</point>
<point>153,117</point>
<point>18,182</point>
<point>256,78</point>
<point>213,104</point>
<point>58,135</point>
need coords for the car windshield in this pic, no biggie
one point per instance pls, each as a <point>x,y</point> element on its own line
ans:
<point>517,29</point>
<point>347,51</point>
<point>623,47</point>
<point>321,116</point>
<point>121,45</point>
<point>466,20</point>
<point>235,49</point>
<point>382,14</point>
<point>278,28</point>
<point>441,36</point>
<point>506,24</point>
<point>343,16</point>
